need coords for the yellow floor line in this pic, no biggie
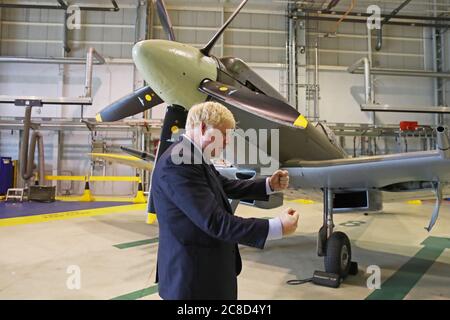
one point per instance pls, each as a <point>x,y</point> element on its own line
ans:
<point>416,202</point>
<point>302,201</point>
<point>73,214</point>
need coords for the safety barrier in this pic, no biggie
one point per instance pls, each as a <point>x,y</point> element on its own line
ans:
<point>87,195</point>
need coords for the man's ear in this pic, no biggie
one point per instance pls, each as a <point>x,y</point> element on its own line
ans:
<point>203,128</point>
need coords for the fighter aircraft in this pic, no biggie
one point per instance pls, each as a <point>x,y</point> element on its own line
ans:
<point>181,76</point>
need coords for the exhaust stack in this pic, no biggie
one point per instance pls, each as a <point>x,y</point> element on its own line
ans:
<point>443,143</point>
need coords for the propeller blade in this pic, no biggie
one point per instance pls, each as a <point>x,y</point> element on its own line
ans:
<point>332,4</point>
<point>131,161</point>
<point>139,154</point>
<point>207,49</point>
<point>256,103</point>
<point>139,101</point>
<point>165,19</point>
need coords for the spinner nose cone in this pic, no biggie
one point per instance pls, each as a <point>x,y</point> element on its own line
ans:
<point>174,70</point>
<point>148,51</point>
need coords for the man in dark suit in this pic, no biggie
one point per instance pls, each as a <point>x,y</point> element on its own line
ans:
<point>198,256</point>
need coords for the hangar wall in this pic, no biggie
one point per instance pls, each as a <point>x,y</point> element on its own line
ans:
<point>262,47</point>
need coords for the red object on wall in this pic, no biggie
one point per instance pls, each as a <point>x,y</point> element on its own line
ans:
<point>408,125</point>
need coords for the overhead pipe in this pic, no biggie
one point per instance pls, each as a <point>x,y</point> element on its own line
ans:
<point>370,57</point>
<point>405,73</point>
<point>383,16</point>
<point>66,46</point>
<point>50,60</point>
<point>62,6</point>
<point>88,79</point>
<point>350,9</point>
<point>364,21</point>
<point>28,6</point>
<point>115,8</point>
<point>89,68</point>
<point>386,20</point>
<point>379,43</point>
<point>367,74</point>
<point>316,82</point>
<point>291,46</point>
<point>27,150</point>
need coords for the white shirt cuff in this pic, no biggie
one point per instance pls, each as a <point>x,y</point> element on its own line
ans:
<point>275,229</point>
<point>268,189</point>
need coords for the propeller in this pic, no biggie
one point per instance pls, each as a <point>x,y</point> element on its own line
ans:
<point>139,101</point>
<point>145,98</point>
<point>165,19</point>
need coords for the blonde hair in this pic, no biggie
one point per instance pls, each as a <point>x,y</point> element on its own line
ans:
<point>210,113</point>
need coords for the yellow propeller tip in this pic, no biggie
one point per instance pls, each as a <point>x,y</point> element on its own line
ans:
<point>301,122</point>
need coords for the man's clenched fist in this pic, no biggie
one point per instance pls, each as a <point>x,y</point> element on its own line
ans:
<point>289,219</point>
<point>279,180</point>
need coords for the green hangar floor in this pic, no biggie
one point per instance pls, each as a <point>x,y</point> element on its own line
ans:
<point>110,253</point>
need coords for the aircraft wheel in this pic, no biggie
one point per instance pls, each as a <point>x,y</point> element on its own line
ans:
<point>339,254</point>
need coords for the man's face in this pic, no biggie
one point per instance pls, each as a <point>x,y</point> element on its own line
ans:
<point>214,140</point>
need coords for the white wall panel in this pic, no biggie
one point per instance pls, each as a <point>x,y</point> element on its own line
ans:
<point>109,83</point>
<point>337,103</point>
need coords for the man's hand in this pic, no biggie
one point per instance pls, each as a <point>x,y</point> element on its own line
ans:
<point>289,220</point>
<point>279,180</point>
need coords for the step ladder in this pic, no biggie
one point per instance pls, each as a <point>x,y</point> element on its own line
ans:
<point>14,194</point>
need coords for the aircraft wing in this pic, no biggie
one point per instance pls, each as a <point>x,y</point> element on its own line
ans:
<point>410,173</point>
<point>125,160</point>
<point>393,172</point>
<point>364,183</point>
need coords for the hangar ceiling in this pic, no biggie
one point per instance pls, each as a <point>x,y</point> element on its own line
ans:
<point>258,35</point>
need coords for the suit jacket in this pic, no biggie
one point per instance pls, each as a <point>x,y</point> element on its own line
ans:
<point>198,256</point>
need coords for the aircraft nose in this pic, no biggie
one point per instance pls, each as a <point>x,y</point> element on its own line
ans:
<point>151,58</point>
<point>147,51</point>
<point>171,68</point>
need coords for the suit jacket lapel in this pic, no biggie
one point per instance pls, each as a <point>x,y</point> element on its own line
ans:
<point>196,157</point>
<point>219,186</point>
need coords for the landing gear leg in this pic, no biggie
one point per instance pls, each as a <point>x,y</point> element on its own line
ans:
<point>335,247</point>
<point>174,120</point>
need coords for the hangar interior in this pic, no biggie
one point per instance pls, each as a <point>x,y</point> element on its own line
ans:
<point>377,92</point>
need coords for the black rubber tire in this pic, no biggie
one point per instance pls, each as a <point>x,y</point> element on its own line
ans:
<point>339,254</point>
